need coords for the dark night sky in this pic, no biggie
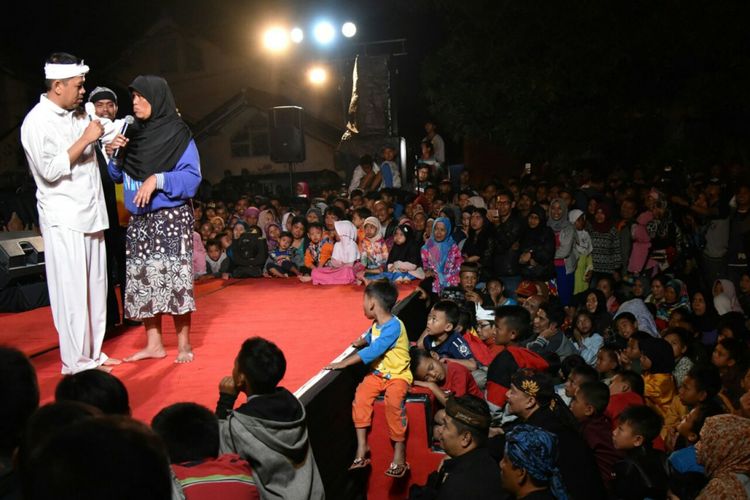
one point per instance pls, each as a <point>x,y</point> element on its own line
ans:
<point>99,33</point>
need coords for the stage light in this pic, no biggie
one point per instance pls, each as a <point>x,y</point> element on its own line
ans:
<point>324,32</point>
<point>349,29</point>
<point>296,34</point>
<point>276,39</point>
<point>317,75</point>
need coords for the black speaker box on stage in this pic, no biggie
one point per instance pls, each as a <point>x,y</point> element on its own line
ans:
<point>22,284</point>
<point>286,136</point>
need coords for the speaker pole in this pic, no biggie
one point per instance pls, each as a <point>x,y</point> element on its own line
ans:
<point>291,179</point>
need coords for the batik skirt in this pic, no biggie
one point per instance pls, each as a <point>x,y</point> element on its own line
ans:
<point>159,263</point>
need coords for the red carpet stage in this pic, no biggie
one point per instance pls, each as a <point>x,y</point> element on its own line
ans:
<point>311,324</point>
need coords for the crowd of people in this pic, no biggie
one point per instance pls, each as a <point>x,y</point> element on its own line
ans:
<point>586,332</point>
<point>609,311</point>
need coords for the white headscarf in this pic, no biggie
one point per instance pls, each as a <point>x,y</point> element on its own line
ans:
<point>726,301</point>
<point>345,250</point>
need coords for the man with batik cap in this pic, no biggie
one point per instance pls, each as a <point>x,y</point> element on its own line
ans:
<point>59,147</point>
<point>105,108</point>
<point>470,471</point>
<point>528,466</point>
<point>532,399</point>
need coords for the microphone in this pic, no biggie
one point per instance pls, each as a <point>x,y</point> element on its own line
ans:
<point>128,120</point>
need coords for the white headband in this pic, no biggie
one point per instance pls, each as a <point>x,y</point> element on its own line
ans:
<point>63,71</point>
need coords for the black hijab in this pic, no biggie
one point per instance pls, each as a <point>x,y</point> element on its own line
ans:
<point>659,351</point>
<point>157,143</point>
<point>409,251</point>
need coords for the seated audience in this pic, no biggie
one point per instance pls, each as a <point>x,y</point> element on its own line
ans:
<point>529,464</point>
<point>469,471</point>
<point>97,388</point>
<point>441,378</point>
<point>588,406</point>
<point>642,473</point>
<point>385,348</point>
<point>191,434</point>
<point>441,257</point>
<point>724,451</point>
<point>625,390</point>
<point>442,337</point>
<point>217,261</point>
<point>84,461</point>
<point>532,399</point>
<point>19,392</point>
<point>269,429</point>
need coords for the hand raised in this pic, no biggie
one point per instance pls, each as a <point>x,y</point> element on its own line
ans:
<point>94,131</point>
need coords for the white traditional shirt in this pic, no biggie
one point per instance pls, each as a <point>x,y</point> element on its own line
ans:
<point>67,195</point>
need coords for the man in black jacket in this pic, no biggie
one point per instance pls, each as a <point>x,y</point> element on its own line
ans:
<point>506,249</point>
<point>470,472</point>
<point>532,399</point>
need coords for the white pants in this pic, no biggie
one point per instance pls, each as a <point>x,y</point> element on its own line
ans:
<point>76,266</point>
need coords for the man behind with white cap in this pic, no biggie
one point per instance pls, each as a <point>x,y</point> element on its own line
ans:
<point>72,213</point>
<point>104,103</point>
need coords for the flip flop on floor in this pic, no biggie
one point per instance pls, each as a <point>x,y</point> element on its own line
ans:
<point>359,463</point>
<point>397,471</point>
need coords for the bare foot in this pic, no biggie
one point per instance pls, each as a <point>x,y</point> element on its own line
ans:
<point>103,368</point>
<point>305,279</point>
<point>112,362</point>
<point>185,355</point>
<point>146,354</point>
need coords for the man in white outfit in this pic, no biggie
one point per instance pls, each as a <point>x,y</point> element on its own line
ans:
<point>72,213</point>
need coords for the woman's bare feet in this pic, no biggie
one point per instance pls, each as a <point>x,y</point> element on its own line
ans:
<point>305,279</point>
<point>147,353</point>
<point>185,355</point>
<point>112,362</point>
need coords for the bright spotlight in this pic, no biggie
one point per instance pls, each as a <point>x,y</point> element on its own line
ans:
<point>324,32</point>
<point>296,34</point>
<point>317,75</point>
<point>276,39</point>
<point>349,29</point>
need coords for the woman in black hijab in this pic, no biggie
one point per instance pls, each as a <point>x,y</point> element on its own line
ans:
<point>160,172</point>
<point>537,247</point>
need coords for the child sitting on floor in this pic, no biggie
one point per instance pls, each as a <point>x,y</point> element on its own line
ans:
<point>679,339</point>
<point>625,390</point>
<point>343,257</point>
<point>385,348</point>
<point>441,257</point>
<point>642,474</point>
<point>588,405</point>
<point>443,379</point>
<point>269,429</point>
<point>440,335</point>
<point>217,262</point>
<point>191,435</point>
<point>359,215</point>
<point>404,263</point>
<point>607,363</point>
<point>374,253</point>
<point>657,363</point>
<point>280,263</point>
<point>319,249</point>
<point>684,460</point>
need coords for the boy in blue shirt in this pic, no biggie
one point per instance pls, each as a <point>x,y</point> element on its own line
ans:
<point>441,335</point>
<point>385,349</point>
